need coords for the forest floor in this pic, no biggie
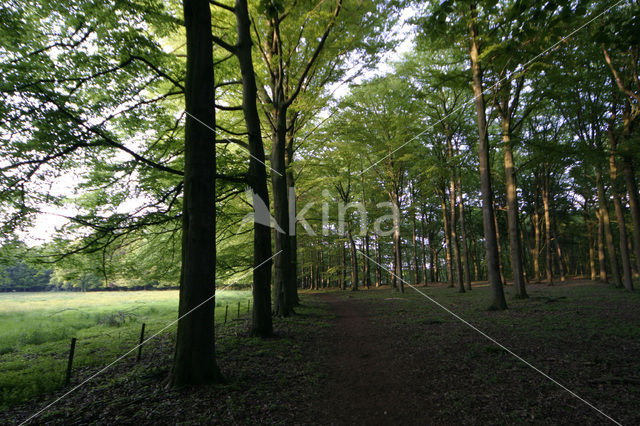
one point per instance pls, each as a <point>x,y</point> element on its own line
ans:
<point>380,357</point>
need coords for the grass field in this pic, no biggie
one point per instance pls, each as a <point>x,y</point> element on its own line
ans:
<point>36,329</point>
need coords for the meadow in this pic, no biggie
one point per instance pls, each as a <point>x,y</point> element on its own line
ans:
<point>36,329</point>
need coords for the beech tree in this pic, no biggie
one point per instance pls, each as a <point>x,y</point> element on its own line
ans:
<point>195,359</point>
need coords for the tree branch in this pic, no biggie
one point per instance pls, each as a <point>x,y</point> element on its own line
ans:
<point>315,55</point>
<point>224,6</point>
<point>616,76</point>
<point>158,71</point>
<point>110,141</point>
<point>226,46</point>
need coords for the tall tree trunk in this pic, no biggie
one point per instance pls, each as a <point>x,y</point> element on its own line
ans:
<point>476,272</point>
<point>447,239</point>
<point>343,269</point>
<point>367,264</point>
<point>397,250</point>
<point>499,244</point>
<point>608,235</point>
<point>513,223</point>
<point>493,268</point>
<point>602,263</point>
<point>592,239</point>
<point>463,228</point>
<point>535,224</point>
<point>630,179</point>
<point>617,205</point>
<point>424,249</point>
<point>323,270</point>
<point>195,359</point>
<point>416,269</point>
<point>378,262</point>
<point>547,228</point>
<point>292,289</point>
<point>354,260</point>
<point>452,213</point>
<point>454,235</point>
<point>523,256</point>
<point>283,305</point>
<point>592,258</point>
<point>312,269</point>
<point>283,276</point>
<point>562,265</point>
<point>261,323</point>
<point>433,260</point>
<point>634,205</point>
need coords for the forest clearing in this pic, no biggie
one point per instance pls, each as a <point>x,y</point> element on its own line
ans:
<point>319,211</point>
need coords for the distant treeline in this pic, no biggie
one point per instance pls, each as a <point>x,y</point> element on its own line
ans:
<point>21,276</point>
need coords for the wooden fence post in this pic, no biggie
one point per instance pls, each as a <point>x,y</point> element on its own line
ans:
<point>141,341</point>
<point>226,312</point>
<point>70,362</point>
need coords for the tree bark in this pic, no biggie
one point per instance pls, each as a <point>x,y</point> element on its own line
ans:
<point>378,263</point>
<point>283,305</point>
<point>513,223</point>
<point>547,228</point>
<point>562,265</point>
<point>367,264</point>
<point>608,235</point>
<point>293,239</point>
<point>433,260</point>
<point>424,249</point>
<point>499,244</point>
<point>617,205</point>
<point>416,269</point>
<point>453,216</point>
<point>397,250</point>
<point>493,269</point>
<point>447,238</point>
<point>602,262</point>
<point>261,323</point>
<point>354,261</point>
<point>592,239</point>
<point>535,224</point>
<point>195,359</point>
<point>463,229</point>
<point>634,205</point>
<point>343,271</point>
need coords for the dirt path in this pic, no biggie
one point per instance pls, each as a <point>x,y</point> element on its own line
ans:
<point>367,382</point>
<point>398,360</point>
